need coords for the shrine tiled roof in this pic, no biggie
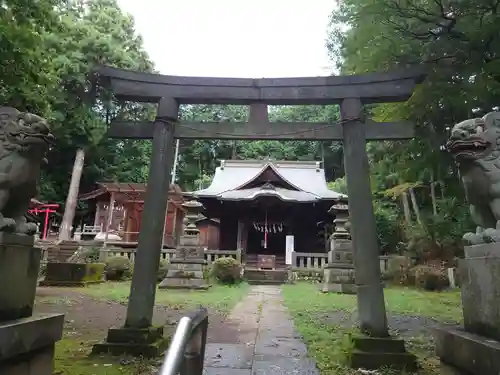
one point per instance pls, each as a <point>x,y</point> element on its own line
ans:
<point>305,179</point>
<point>121,187</point>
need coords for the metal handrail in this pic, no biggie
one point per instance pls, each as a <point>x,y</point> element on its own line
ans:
<point>186,352</point>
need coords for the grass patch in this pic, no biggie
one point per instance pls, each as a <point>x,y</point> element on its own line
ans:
<point>72,358</point>
<point>442,306</point>
<point>330,344</point>
<point>72,352</point>
<point>219,297</point>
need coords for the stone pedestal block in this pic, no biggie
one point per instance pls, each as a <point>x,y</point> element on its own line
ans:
<point>373,353</point>
<point>185,274</point>
<point>186,268</point>
<point>480,288</point>
<point>469,353</point>
<point>19,265</point>
<point>475,348</point>
<point>27,344</point>
<point>337,279</point>
<point>147,342</point>
<point>73,274</point>
<point>338,274</point>
<point>62,251</point>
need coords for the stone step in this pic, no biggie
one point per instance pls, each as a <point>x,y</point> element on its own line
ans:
<point>372,353</point>
<point>256,276</point>
<point>266,282</point>
<point>377,360</point>
<point>380,345</point>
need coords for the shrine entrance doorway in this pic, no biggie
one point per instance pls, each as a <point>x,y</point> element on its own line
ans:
<point>267,240</point>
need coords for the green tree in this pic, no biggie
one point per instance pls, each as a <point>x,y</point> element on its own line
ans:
<point>27,71</point>
<point>92,33</point>
<point>198,159</point>
<point>459,43</point>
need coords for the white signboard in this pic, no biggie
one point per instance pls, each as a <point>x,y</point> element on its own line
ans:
<point>289,249</point>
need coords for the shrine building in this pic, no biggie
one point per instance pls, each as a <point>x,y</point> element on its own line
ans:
<point>259,203</point>
<point>117,213</point>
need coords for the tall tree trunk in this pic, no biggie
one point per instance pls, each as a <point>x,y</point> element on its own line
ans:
<point>406,208</point>
<point>415,205</point>
<point>233,153</point>
<point>71,200</point>
<point>433,195</point>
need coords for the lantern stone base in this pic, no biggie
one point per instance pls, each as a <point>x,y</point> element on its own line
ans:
<point>185,274</point>
<point>338,278</point>
<point>27,344</point>
<point>146,342</point>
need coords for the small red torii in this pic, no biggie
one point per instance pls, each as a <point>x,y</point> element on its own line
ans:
<point>47,209</point>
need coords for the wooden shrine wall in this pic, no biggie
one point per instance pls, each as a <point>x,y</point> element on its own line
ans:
<point>133,223</point>
<point>209,235</point>
<point>102,216</point>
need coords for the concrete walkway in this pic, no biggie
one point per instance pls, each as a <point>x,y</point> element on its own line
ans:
<point>265,341</point>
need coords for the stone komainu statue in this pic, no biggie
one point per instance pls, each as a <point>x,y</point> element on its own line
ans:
<point>475,146</point>
<point>24,141</point>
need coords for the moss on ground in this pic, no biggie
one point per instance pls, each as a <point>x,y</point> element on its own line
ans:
<point>330,344</point>
<point>72,358</point>
<point>73,352</point>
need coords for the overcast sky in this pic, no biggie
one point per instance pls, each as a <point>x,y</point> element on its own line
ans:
<point>229,38</point>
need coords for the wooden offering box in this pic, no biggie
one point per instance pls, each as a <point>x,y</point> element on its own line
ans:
<point>266,262</point>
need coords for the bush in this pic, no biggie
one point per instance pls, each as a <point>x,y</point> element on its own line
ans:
<point>162,270</point>
<point>227,270</point>
<point>310,276</point>
<point>430,277</point>
<point>118,268</point>
<point>440,236</point>
<point>388,226</point>
<point>206,272</point>
<point>399,270</point>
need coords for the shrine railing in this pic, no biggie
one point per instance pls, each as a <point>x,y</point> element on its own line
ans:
<point>309,260</point>
<point>167,254</point>
<point>316,261</point>
<point>212,255</point>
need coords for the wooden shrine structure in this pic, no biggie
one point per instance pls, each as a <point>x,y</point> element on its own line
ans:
<point>118,210</point>
<point>260,202</point>
<point>351,93</point>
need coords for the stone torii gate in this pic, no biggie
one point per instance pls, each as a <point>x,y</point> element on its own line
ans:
<point>350,92</point>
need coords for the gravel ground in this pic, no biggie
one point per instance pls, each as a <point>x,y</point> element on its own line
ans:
<point>90,318</point>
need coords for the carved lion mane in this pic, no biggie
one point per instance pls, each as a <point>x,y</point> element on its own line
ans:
<point>24,140</point>
<point>475,145</point>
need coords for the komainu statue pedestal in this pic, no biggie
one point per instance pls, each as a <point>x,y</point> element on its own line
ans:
<point>475,347</point>
<point>338,274</point>
<point>26,340</point>
<point>185,270</point>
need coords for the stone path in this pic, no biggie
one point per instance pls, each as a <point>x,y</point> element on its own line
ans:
<point>264,340</point>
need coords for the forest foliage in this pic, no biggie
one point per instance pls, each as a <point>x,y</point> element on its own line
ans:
<point>49,47</point>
